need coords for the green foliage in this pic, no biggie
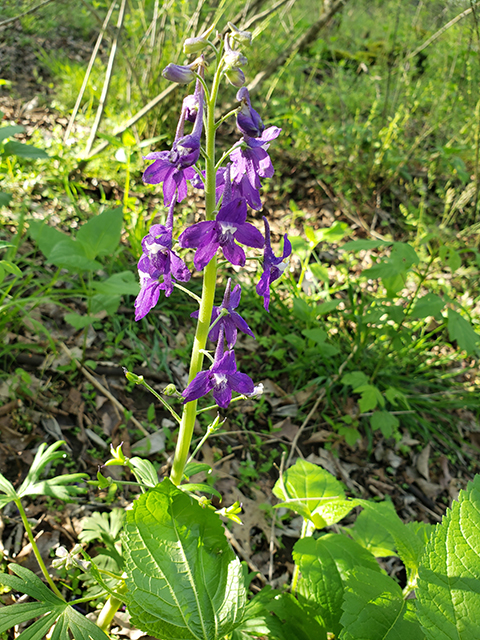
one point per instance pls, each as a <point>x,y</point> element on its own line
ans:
<point>54,611</point>
<point>448,596</point>
<point>183,580</point>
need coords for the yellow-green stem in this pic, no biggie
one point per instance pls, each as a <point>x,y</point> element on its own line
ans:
<point>36,552</point>
<point>106,615</point>
<point>208,294</point>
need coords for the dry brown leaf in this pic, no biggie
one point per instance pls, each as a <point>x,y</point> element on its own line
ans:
<point>422,463</point>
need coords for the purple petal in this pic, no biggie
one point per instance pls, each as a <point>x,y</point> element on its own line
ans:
<point>235,211</point>
<point>241,383</point>
<point>250,236</point>
<point>204,255</point>
<point>147,298</point>
<point>157,172</point>
<point>222,395</point>
<point>199,386</point>
<point>241,324</point>
<point>233,253</point>
<point>226,364</point>
<point>235,296</point>
<point>198,234</point>
<point>179,268</point>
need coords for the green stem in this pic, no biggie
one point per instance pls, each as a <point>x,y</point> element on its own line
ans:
<point>106,615</point>
<point>36,552</point>
<point>208,292</point>
<point>307,530</point>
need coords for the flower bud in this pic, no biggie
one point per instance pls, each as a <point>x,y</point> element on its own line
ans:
<point>232,58</point>
<point>181,74</point>
<point>235,76</point>
<point>198,44</point>
<point>248,120</point>
<point>170,390</point>
<point>242,37</point>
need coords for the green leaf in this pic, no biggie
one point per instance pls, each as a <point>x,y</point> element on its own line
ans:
<point>10,267</point>
<point>374,609</point>
<point>327,307</point>
<point>72,255</point>
<point>298,621</point>
<point>385,421</point>
<point>305,488</point>
<point>101,234</point>
<point>461,331</point>
<point>144,471</point>
<point>371,535</point>
<point>100,301</point>
<point>401,259</point>
<point>8,489</point>
<point>428,305</point>
<point>393,395</point>
<point>371,397</point>
<point>324,565</point>
<point>448,594</point>
<point>333,233</point>
<point>5,198</point>
<point>27,151</point>
<point>119,284</point>
<point>184,581</point>
<point>354,379</point>
<point>203,487</point>
<point>10,130</point>
<point>103,526</point>
<point>45,236</point>
<point>303,311</point>
<point>18,613</point>
<point>196,467</point>
<point>78,321</point>
<point>364,245</point>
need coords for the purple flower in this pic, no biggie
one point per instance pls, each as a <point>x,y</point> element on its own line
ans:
<point>230,323</point>
<point>157,260</point>
<point>273,267</point>
<point>248,120</point>
<point>251,163</point>
<point>174,167</point>
<point>229,225</point>
<point>179,73</point>
<point>222,378</point>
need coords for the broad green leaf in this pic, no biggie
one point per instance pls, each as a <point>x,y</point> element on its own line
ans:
<point>70,254</point>
<point>10,267</point>
<point>303,311</point>
<point>333,233</point>
<point>119,284</point>
<point>101,234</point>
<point>448,593</point>
<point>10,130</point>
<point>298,621</point>
<point>371,397</point>
<point>39,629</point>
<point>78,321</point>
<point>27,151</point>
<point>311,236</point>
<point>305,488</point>
<point>364,245</point>
<point>324,565</point>
<point>401,259</point>
<point>371,535</point>
<point>385,421</point>
<point>184,581</point>
<point>331,511</point>
<point>45,236</point>
<point>428,305</point>
<point>462,332</point>
<point>354,379</point>
<point>327,307</point>
<point>394,395</point>
<point>18,613</point>
<point>374,609</point>
<point>5,198</point>
<point>144,471</point>
<point>319,272</point>
<point>101,302</point>
<point>25,581</point>
<point>317,335</point>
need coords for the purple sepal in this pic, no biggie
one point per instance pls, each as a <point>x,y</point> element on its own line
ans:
<point>273,267</point>
<point>248,120</point>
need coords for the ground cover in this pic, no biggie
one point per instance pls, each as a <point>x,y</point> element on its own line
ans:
<point>368,356</point>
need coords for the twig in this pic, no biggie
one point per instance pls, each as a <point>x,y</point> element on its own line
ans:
<point>89,70</point>
<point>25,13</point>
<point>108,77</point>
<point>102,389</point>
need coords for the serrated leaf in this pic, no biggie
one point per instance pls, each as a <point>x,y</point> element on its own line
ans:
<point>305,488</point>
<point>298,621</point>
<point>373,537</point>
<point>462,332</point>
<point>385,422</point>
<point>28,151</point>
<point>324,565</point>
<point>428,305</point>
<point>371,397</point>
<point>184,581</point>
<point>25,581</point>
<point>374,609</point>
<point>448,594</point>
<point>101,234</point>
<point>103,526</point>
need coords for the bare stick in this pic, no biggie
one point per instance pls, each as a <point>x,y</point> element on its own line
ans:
<point>102,389</point>
<point>438,33</point>
<point>108,77</point>
<point>299,45</point>
<point>25,13</point>
<point>89,69</point>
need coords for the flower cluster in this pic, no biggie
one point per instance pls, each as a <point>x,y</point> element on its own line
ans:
<point>237,187</point>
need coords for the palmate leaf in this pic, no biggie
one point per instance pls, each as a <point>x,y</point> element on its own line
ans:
<point>324,565</point>
<point>53,610</point>
<point>448,594</point>
<point>374,609</point>
<point>184,581</point>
